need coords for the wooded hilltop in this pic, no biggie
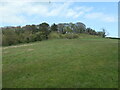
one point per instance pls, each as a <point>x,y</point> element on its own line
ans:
<point>30,33</point>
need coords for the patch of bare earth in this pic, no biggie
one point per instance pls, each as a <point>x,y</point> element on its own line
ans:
<point>5,52</point>
<point>30,49</point>
<point>17,46</point>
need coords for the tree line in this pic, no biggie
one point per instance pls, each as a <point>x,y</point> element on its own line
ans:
<point>31,33</point>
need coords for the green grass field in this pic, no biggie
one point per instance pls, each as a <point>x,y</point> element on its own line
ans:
<point>62,63</point>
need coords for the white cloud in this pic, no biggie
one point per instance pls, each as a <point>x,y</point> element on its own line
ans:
<point>93,15</point>
<point>84,8</point>
<point>76,12</point>
<point>110,19</point>
<point>19,12</point>
<point>101,16</point>
<point>11,13</point>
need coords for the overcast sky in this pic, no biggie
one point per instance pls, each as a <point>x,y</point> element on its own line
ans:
<point>95,15</point>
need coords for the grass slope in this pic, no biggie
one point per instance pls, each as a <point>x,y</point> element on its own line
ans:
<point>63,63</point>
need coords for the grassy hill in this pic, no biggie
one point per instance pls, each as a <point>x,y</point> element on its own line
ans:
<point>89,62</point>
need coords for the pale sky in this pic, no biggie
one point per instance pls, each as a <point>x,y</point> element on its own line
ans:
<point>96,15</point>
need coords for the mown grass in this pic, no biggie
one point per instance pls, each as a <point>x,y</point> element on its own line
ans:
<point>62,63</point>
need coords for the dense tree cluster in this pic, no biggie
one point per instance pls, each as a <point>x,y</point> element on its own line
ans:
<point>32,33</point>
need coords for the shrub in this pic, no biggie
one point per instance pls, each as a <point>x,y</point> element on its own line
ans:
<point>54,35</point>
<point>62,35</point>
<point>75,36</point>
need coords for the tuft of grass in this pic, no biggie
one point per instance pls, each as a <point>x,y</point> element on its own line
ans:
<point>71,36</point>
<point>63,63</point>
